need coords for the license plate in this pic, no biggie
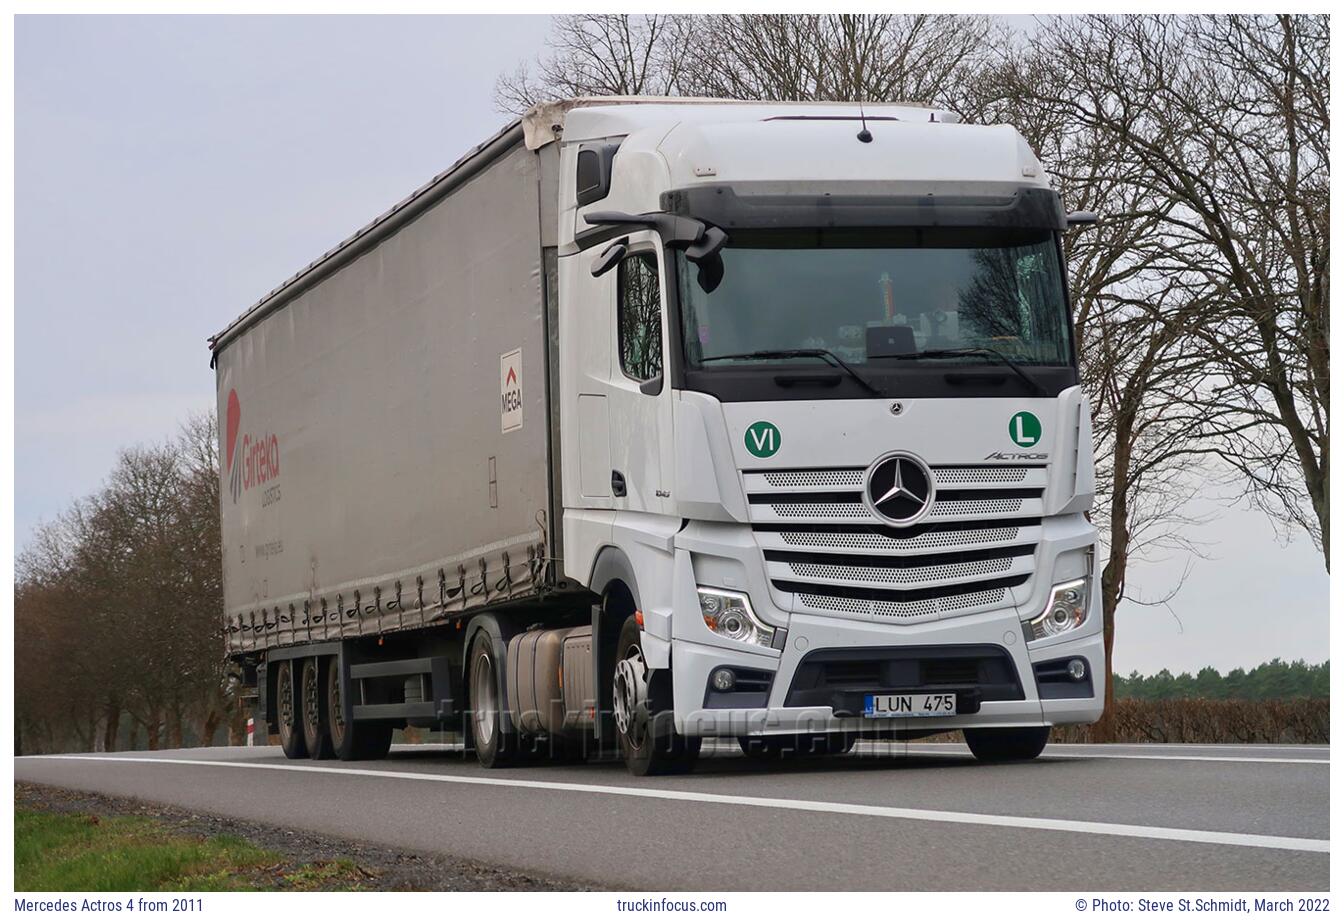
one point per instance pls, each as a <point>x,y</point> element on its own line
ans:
<point>909,705</point>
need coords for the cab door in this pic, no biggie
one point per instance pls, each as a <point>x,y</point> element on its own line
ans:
<point>638,396</point>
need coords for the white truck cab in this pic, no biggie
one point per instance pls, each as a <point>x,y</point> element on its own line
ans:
<point>843,462</point>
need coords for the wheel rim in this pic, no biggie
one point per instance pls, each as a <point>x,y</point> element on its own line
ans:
<point>629,695</point>
<point>483,699</point>
<point>310,704</point>
<point>335,714</point>
<point>285,704</point>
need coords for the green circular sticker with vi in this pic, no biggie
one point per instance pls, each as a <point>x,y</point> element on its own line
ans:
<point>762,439</point>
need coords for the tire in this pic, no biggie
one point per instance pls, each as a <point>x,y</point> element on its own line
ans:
<point>287,717</point>
<point>1000,745</point>
<point>313,699</point>
<point>647,750</point>
<point>494,747</point>
<point>352,740</point>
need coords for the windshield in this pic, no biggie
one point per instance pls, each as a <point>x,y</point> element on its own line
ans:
<point>879,297</point>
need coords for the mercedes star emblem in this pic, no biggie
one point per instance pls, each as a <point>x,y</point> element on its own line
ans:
<point>899,489</point>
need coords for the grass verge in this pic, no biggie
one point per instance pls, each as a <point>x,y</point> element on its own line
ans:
<point>86,852</point>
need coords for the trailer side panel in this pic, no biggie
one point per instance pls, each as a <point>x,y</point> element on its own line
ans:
<point>383,434</point>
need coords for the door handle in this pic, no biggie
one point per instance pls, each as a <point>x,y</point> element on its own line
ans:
<point>617,484</point>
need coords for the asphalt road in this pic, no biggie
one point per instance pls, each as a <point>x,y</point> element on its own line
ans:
<point>917,816</point>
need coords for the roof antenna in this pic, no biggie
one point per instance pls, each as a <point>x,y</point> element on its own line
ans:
<point>865,136</point>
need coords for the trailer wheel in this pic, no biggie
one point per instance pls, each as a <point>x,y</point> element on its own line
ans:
<point>352,740</point>
<point>647,750</point>
<point>998,745</point>
<point>494,746</point>
<point>315,736</point>
<point>287,713</point>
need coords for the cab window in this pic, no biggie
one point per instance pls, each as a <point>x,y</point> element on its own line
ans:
<point>639,317</point>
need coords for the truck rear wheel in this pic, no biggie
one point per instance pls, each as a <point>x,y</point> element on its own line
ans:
<point>494,746</point>
<point>287,713</point>
<point>314,716</point>
<point>352,740</point>
<point>997,745</point>
<point>648,747</point>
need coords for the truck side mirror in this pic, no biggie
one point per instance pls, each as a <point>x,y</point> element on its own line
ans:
<point>704,252</point>
<point>710,274</point>
<point>1081,218</point>
<point>610,256</point>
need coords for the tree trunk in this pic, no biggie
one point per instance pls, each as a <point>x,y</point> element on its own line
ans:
<point>210,725</point>
<point>111,725</point>
<point>152,728</point>
<point>175,729</point>
<point>1113,573</point>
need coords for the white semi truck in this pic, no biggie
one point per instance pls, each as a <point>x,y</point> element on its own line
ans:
<point>656,420</point>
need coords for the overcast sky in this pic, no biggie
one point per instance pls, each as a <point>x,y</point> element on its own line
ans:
<point>170,170</point>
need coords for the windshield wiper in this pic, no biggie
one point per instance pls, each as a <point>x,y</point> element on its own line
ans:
<point>975,350</point>
<point>825,354</point>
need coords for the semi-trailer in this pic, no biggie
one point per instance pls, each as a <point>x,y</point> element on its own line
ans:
<point>655,420</point>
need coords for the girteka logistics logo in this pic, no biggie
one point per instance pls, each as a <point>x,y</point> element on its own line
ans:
<point>249,460</point>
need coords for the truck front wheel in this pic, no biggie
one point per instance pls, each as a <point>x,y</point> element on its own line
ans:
<point>997,745</point>
<point>287,717</point>
<point>649,742</point>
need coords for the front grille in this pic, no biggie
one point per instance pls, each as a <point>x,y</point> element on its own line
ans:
<point>823,545</point>
<point>878,538</point>
<point>793,479</point>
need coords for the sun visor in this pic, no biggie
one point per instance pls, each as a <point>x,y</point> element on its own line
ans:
<point>780,205</point>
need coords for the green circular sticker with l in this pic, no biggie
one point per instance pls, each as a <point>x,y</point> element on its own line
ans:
<point>1025,429</point>
<point>762,439</point>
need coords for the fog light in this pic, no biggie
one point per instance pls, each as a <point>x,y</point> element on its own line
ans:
<point>723,680</point>
<point>1077,669</point>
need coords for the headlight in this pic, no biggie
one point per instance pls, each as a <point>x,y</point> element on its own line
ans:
<point>729,614</point>
<point>1067,610</point>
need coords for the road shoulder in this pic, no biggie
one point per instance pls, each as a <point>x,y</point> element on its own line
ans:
<point>378,868</point>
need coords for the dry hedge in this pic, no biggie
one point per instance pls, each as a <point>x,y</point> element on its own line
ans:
<point>1200,721</point>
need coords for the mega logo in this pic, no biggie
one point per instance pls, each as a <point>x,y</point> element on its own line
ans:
<point>250,460</point>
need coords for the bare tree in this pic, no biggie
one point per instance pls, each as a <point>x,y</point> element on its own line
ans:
<point>1226,121</point>
<point>835,57</point>
<point>830,57</point>
<point>599,54</point>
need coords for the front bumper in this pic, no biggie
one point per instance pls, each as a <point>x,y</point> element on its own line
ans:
<point>1002,629</point>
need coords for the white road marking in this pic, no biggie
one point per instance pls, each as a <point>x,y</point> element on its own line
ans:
<point>1182,834</point>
